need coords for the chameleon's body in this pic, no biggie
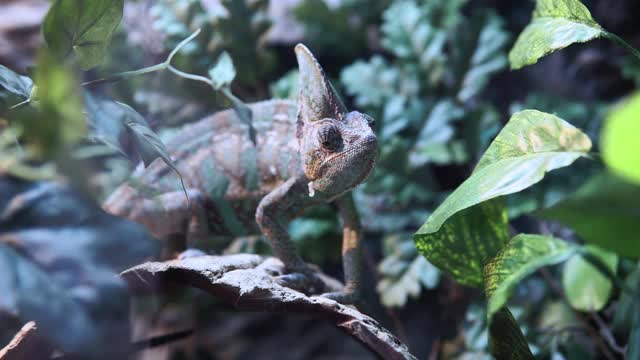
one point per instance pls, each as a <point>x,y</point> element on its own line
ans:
<point>306,153</point>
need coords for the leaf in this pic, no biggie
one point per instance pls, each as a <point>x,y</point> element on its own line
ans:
<point>59,257</point>
<point>506,340</point>
<point>585,287</point>
<point>404,272</point>
<point>531,144</point>
<point>223,72</point>
<point>57,120</point>
<point>620,146</point>
<point>13,88</point>
<point>633,349</point>
<point>555,25</point>
<point>29,292</point>
<point>623,315</point>
<point>605,211</point>
<point>465,242</point>
<point>84,27</point>
<point>523,255</point>
<point>488,57</point>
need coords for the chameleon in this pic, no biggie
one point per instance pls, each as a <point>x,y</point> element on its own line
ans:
<point>307,152</point>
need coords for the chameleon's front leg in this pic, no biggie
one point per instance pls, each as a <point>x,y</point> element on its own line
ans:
<point>351,251</point>
<point>274,212</point>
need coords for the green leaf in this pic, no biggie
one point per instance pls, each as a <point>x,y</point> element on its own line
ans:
<point>465,242</point>
<point>223,72</point>
<point>488,57</point>
<point>555,25</point>
<point>83,27</point>
<point>622,318</point>
<point>531,144</point>
<point>13,85</point>
<point>506,340</point>
<point>403,271</point>
<point>605,211</point>
<point>633,349</point>
<point>57,121</point>
<point>620,146</point>
<point>523,255</point>
<point>585,287</point>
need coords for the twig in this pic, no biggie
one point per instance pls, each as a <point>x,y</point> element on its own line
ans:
<point>607,334</point>
<point>26,344</point>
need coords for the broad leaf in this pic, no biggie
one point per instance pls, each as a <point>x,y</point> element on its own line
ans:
<point>506,340</point>
<point>59,256</point>
<point>223,72</point>
<point>531,144</point>
<point>624,311</point>
<point>605,211</point>
<point>30,292</point>
<point>555,24</point>
<point>465,242</point>
<point>620,146</point>
<point>585,287</point>
<point>523,255</point>
<point>83,27</point>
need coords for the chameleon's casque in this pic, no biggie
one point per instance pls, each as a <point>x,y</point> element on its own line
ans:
<point>308,152</point>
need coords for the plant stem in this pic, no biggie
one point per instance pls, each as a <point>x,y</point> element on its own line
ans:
<point>617,39</point>
<point>126,74</point>
<point>190,76</point>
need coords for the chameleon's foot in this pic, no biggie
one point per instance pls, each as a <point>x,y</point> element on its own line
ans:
<point>307,283</point>
<point>191,253</point>
<point>348,296</point>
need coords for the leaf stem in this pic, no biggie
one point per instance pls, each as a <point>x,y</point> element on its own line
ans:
<point>617,39</point>
<point>190,76</point>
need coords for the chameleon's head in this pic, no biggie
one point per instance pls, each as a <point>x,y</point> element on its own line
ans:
<point>338,148</point>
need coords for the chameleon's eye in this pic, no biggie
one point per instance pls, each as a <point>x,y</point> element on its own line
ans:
<point>330,138</point>
<point>371,121</point>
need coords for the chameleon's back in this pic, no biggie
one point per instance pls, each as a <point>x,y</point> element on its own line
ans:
<point>218,161</point>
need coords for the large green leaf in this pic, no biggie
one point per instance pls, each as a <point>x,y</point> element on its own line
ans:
<point>605,211</point>
<point>83,27</point>
<point>523,255</point>
<point>555,24</point>
<point>586,288</point>
<point>620,146</point>
<point>465,242</point>
<point>531,144</point>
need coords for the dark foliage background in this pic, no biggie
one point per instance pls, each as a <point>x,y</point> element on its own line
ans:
<point>434,74</point>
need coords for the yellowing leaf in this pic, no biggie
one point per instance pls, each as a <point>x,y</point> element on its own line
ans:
<point>555,25</point>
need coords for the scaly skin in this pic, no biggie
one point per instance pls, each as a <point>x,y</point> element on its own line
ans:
<point>306,154</point>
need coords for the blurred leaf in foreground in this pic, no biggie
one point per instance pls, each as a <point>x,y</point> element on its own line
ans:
<point>620,146</point>
<point>60,257</point>
<point>83,27</point>
<point>605,211</point>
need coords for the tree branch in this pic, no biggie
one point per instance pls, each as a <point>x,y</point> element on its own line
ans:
<point>26,344</point>
<point>248,282</point>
